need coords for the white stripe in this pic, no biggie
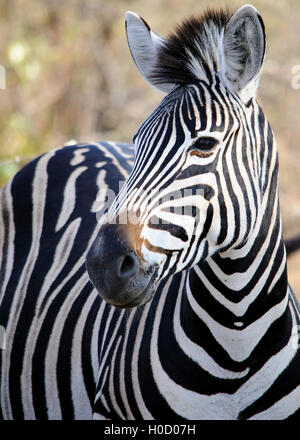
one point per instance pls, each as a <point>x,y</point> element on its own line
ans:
<point>95,339</point>
<point>102,192</point>
<point>7,207</point>
<point>78,156</point>
<point>104,355</point>
<point>134,365</point>
<point>194,351</point>
<point>282,409</point>
<point>184,402</point>
<point>69,199</point>
<point>61,256</point>
<point>220,406</point>
<point>39,188</point>
<point>54,344</point>
<point>239,344</point>
<point>81,401</point>
<point>129,415</point>
<point>261,381</point>
<point>111,386</point>
<point>109,155</point>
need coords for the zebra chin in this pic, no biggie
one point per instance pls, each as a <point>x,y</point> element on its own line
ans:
<point>117,272</point>
<point>138,291</point>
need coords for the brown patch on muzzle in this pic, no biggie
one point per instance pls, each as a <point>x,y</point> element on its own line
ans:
<point>116,267</point>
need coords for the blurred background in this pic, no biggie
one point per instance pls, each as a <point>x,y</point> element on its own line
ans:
<point>69,75</point>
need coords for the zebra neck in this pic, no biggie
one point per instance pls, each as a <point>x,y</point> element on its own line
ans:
<point>239,297</point>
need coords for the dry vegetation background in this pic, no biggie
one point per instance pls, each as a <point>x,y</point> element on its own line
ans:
<point>69,75</point>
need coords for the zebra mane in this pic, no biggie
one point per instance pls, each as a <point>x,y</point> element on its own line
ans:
<point>191,52</point>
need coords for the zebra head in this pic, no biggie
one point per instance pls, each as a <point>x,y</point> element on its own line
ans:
<point>197,183</point>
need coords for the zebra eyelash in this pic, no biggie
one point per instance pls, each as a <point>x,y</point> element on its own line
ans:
<point>203,146</point>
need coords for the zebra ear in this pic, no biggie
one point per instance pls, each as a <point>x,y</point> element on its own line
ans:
<point>144,44</point>
<point>244,50</point>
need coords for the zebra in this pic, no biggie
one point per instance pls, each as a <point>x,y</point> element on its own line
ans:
<point>173,303</point>
<point>292,244</point>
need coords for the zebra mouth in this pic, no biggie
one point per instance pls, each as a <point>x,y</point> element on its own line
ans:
<point>144,297</point>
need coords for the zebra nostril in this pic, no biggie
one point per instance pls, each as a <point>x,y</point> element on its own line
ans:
<point>128,266</point>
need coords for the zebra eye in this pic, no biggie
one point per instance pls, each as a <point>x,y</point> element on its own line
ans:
<point>205,144</point>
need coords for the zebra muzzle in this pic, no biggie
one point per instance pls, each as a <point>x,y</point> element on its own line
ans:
<point>117,271</point>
